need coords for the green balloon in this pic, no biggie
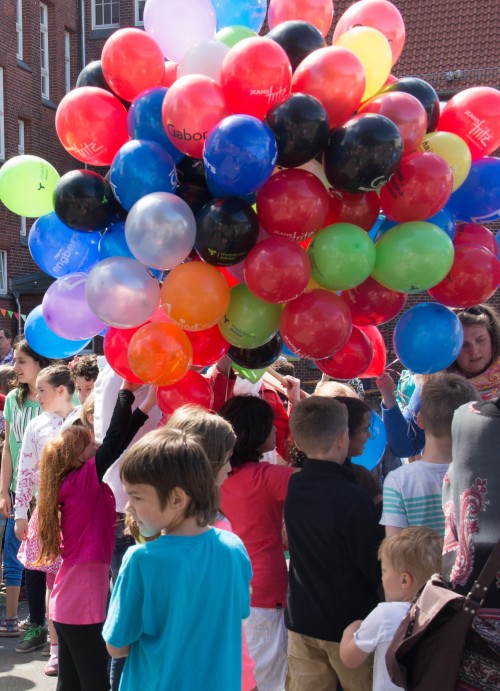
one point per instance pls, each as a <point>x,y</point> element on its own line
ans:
<point>231,35</point>
<point>249,322</point>
<point>253,375</point>
<point>27,184</point>
<point>412,257</point>
<point>342,256</point>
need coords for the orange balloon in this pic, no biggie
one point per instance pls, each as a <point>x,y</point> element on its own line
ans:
<point>195,296</point>
<point>160,354</point>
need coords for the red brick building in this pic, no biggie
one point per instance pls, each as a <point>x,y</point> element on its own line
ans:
<point>44,45</point>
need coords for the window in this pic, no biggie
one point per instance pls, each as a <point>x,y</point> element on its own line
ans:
<point>105,13</point>
<point>44,49</point>
<point>20,150</point>
<point>67,61</point>
<point>3,272</point>
<point>2,123</point>
<point>19,28</point>
<point>139,11</point>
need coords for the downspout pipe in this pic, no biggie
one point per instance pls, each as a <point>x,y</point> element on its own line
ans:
<point>83,41</point>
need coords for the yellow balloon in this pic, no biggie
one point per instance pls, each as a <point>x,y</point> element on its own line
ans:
<point>453,149</point>
<point>373,50</point>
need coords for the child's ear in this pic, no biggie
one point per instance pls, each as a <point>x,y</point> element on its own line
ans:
<point>179,498</point>
<point>343,440</point>
<point>418,420</point>
<point>406,580</point>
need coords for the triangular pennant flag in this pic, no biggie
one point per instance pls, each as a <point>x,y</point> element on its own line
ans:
<point>23,316</point>
<point>16,314</point>
<point>4,312</point>
<point>10,313</point>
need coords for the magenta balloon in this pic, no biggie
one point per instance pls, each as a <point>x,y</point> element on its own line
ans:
<point>66,310</point>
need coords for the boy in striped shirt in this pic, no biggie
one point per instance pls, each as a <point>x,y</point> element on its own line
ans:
<point>412,493</point>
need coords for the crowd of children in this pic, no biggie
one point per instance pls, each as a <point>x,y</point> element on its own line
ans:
<point>192,522</point>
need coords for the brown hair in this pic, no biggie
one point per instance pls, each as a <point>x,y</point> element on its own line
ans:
<point>416,550</point>
<point>24,347</point>
<point>58,374</point>
<point>440,397</point>
<point>482,315</point>
<point>7,379</point>
<point>213,432</point>
<point>316,423</point>
<point>169,458</point>
<point>86,366</point>
<point>60,456</point>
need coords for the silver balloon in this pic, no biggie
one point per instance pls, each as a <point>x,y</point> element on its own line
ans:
<point>160,230</point>
<point>122,292</point>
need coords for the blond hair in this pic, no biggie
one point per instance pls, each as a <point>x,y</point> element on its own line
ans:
<point>440,397</point>
<point>416,550</point>
<point>88,409</point>
<point>334,389</point>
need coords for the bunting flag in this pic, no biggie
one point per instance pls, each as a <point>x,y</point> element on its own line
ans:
<point>11,314</point>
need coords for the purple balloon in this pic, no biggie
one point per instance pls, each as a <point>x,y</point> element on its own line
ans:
<point>66,311</point>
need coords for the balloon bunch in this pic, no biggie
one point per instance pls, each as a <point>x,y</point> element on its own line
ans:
<point>263,192</point>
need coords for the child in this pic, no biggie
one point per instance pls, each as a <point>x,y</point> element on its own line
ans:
<point>252,498</point>
<point>412,493</point>
<point>332,536</point>
<point>76,505</point>
<point>178,603</point>
<point>21,406</point>
<point>409,559</point>
<point>84,371</point>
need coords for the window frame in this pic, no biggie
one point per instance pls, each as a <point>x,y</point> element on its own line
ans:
<point>19,30</point>
<point>95,25</point>
<point>67,61</point>
<point>21,129</point>
<point>4,281</point>
<point>138,22</point>
<point>2,117</point>
<point>44,50</point>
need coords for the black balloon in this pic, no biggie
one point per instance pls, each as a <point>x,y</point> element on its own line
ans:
<point>300,125</point>
<point>298,39</point>
<point>257,358</point>
<point>363,154</point>
<point>92,75</point>
<point>195,196</point>
<point>226,231</point>
<point>424,93</point>
<point>84,201</point>
<point>191,170</point>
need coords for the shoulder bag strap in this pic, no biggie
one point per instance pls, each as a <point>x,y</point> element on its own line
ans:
<point>481,585</point>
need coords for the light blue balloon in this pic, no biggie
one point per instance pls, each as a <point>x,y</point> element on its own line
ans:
<point>375,446</point>
<point>59,250</point>
<point>45,342</point>
<point>250,13</point>
<point>144,120</point>
<point>380,227</point>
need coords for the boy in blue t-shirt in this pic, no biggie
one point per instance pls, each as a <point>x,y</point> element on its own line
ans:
<point>178,603</point>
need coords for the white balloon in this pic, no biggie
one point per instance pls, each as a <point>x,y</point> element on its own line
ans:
<point>204,58</point>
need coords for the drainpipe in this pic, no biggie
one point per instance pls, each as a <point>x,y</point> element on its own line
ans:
<point>18,304</point>
<point>83,56</point>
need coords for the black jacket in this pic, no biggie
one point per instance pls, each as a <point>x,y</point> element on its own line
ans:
<point>332,537</point>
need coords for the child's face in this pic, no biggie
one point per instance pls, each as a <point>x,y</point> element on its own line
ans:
<point>144,506</point>
<point>392,582</point>
<point>83,387</point>
<point>358,440</point>
<point>224,470</point>
<point>25,367</point>
<point>49,397</point>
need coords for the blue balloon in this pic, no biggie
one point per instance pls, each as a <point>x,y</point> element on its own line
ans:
<point>250,13</point>
<point>428,338</point>
<point>380,227</point>
<point>45,342</point>
<point>59,250</point>
<point>139,168</point>
<point>113,243</point>
<point>144,120</point>
<point>239,155</point>
<point>375,446</point>
<point>477,200</point>
<point>444,220</point>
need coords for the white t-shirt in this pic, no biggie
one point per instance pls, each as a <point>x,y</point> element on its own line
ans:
<point>412,496</point>
<point>375,634</point>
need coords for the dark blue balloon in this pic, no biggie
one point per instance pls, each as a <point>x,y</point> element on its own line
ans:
<point>250,13</point>
<point>113,243</point>
<point>45,342</point>
<point>444,220</point>
<point>380,227</point>
<point>428,338</point>
<point>139,168</point>
<point>59,250</point>
<point>477,200</point>
<point>375,446</point>
<point>144,120</point>
<point>239,156</point>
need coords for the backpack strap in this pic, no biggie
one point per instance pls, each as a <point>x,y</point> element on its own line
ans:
<point>481,585</point>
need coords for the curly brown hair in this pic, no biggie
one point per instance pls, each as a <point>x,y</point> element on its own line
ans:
<point>86,366</point>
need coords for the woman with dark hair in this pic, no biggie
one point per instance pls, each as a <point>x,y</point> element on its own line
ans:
<point>478,361</point>
<point>252,498</point>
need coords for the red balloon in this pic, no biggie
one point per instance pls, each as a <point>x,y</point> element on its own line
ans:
<point>83,125</point>
<point>336,77</point>
<point>116,342</point>
<point>473,278</point>
<point>405,111</point>
<point>316,324</point>
<point>293,203</point>
<point>193,105</point>
<point>170,74</point>
<point>419,188</point>
<point>360,209</point>
<point>474,115</point>
<point>377,14</point>
<point>372,304</point>
<point>131,62</point>
<point>319,13</point>
<point>255,76</point>
<point>209,346</point>
<point>192,389</point>
<point>350,361</point>
<point>474,234</point>
<point>277,270</point>
<point>377,365</point>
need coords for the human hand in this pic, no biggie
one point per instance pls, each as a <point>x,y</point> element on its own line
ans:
<point>292,388</point>
<point>150,401</point>
<point>21,528</point>
<point>5,506</point>
<point>387,388</point>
